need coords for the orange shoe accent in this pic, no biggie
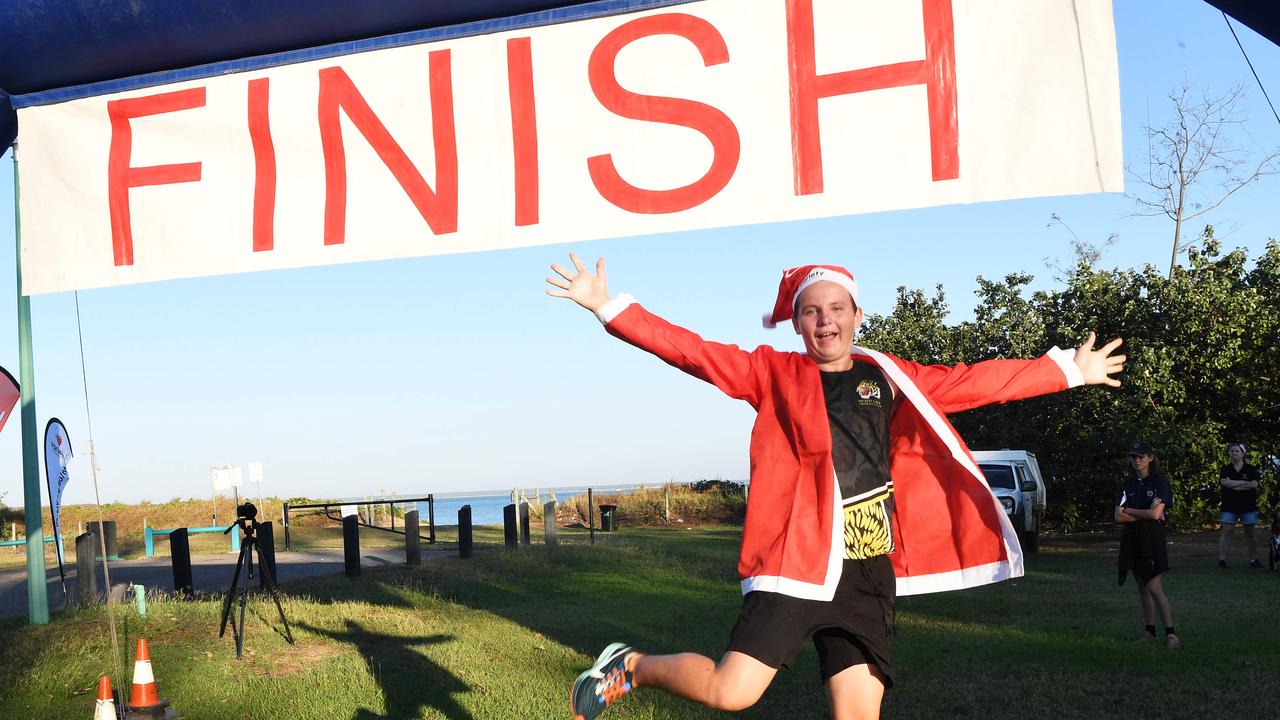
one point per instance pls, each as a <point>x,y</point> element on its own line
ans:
<point>143,695</point>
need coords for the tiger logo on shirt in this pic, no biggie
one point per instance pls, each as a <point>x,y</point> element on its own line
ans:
<point>869,393</point>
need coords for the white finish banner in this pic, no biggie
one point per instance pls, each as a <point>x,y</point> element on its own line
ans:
<point>706,114</point>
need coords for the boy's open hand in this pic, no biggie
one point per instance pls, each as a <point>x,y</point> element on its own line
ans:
<point>1098,366</point>
<point>589,291</point>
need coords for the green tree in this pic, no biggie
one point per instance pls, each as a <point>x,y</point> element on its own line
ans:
<point>1204,356</point>
<point>915,328</point>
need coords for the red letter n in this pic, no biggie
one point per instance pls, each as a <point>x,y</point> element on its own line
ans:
<point>937,72</point>
<point>121,176</point>
<point>438,207</point>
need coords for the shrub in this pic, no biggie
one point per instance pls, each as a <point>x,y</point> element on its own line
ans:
<point>705,502</point>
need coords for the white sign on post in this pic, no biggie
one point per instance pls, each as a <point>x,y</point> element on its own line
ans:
<point>225,477</point>
<point>698,115</point>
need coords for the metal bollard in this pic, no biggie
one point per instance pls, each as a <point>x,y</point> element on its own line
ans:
<point>412,548</point>
<point>549,522</point>
<point>351,544</point>
<point>464,532</point>
<point>180,556</point>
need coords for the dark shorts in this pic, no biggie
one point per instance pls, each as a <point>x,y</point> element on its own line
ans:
<point>1144,551</point>
<point>852,629</point>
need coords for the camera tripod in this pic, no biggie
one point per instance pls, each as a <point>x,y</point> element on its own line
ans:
<point>243,574</point>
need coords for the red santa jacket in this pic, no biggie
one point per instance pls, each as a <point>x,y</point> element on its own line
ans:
<point>949,530</point>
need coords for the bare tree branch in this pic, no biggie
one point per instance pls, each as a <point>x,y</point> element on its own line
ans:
<point>1192,167</point>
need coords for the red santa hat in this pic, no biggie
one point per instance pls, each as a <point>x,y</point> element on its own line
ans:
<point>794,282</point>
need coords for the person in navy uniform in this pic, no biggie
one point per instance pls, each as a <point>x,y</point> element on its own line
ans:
<point>1140,507</point>
<point>1240,482</point>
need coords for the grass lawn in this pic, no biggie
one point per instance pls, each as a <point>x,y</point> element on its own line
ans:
<point>502,635</point>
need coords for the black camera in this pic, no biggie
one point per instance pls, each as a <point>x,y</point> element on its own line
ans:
<point>246,518</point>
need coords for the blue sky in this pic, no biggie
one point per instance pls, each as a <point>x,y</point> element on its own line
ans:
<point>457,373</point>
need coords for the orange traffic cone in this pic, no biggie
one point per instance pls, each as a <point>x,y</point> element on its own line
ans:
<point>106,707</point>
<point>144,694</point>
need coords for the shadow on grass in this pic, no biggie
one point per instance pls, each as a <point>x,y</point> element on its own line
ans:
<point>661,591</point>
<point>370,587</point>
<point>410,682</point>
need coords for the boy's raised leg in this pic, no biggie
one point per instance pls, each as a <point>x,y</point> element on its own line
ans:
<point>735,683</point>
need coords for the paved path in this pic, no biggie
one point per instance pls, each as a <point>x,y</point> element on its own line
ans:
<point>210,573</point>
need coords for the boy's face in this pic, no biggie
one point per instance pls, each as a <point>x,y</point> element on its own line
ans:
<point>826,319</point>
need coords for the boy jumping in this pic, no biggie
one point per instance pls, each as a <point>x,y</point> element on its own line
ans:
<point>829,538</point>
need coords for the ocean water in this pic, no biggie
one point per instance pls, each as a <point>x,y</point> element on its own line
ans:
<point>486,508</point>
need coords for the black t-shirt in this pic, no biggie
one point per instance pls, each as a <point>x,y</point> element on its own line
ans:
<point>1141,493</point>
<point>859,404</point>
<point>1240,501</point>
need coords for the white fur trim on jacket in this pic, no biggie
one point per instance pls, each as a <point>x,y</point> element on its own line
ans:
<point>835,563</point>
<point>1066,360</point>
<point>608,311</point>
<point>956,579</point>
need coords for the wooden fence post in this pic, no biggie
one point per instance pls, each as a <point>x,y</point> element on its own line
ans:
<point>509,533</point>
<point>591,516</point>
<point>464,532</point>
<point>549,523</point>
<point>412,550</point>
<point>180,560</point>
<point>351,545</point>
<point>266,553</point>
<point>86,574</point>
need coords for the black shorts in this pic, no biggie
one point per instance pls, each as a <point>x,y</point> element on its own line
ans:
<point>1144,551</point>
<point>852,629</point>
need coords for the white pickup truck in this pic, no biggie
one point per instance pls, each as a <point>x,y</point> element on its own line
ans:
<point>1016,481</point>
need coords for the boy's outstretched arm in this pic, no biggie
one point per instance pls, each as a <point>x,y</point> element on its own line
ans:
<point>964,387</point>
<point>728,367</point>
<point>589,291</point>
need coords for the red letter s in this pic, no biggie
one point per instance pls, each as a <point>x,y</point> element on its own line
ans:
<point>711,122</point>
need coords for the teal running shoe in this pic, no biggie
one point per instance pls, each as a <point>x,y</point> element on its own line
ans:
<point>606,681</point>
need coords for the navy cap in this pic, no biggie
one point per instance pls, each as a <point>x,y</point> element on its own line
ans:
<point>1141,448</point>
